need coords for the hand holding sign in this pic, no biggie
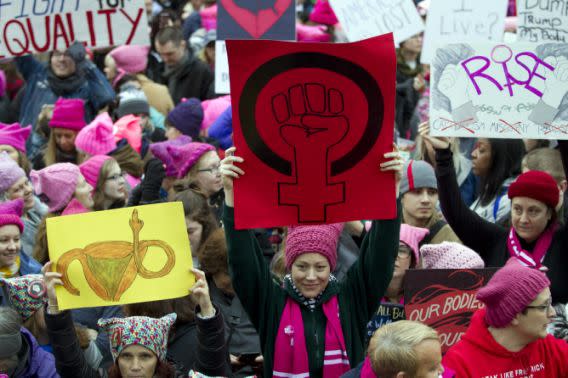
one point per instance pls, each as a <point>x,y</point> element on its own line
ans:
<point>230,171</point>
<point>51,279</point>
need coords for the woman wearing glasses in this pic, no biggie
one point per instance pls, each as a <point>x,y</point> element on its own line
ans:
<point>536,238</point>
<point>109,185</point>
<point>508,337</point>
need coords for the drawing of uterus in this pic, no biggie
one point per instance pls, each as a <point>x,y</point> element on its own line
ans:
<point>110,267</point>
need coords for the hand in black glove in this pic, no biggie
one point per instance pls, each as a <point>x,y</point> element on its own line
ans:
<point>154,174</point>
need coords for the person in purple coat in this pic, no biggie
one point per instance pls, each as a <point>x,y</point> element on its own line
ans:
<point>20,354</point>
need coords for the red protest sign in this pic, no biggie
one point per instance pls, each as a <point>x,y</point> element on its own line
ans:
<point>312,122</point>
<point>444,299</point>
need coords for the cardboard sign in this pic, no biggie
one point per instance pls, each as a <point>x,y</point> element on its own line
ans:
<point>253,19</point>
<point>28,27</point>
<point>455,21</point>
<point>312,122</point>
<point>386,313</point>
<point>361,19</point>
<point>500,91</point>
<point>542,20</point>
<point>444,299</point>
<point>114,257</point>
<point>222,83</point>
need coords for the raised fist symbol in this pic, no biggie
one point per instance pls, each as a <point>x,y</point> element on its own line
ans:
<point>311,121</point>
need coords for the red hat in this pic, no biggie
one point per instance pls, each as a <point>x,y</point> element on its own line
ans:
<point>68,114</point>
<point>320,239</point>
<point>11,213</point>
<point>537,185</point>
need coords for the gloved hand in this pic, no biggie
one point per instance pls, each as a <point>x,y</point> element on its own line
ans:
<point>77,52</point>
<point>154,174</point>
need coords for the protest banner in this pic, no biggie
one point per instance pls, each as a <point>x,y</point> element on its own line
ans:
<point>114,257</point>
<point>251,19</point>
<point>386,313</point>
<point>361,19</point>
<point>444,299</point>
<point>500,91</point>
<point>222,83</point>
<point>542,20</point>
<point>312,122</point>
<point>451,21</point>
<point>29,27</point>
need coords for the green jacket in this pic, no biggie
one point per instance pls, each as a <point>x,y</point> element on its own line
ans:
<point>358,295</point>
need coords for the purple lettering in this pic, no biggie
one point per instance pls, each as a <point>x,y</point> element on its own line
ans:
<point>479,72</point>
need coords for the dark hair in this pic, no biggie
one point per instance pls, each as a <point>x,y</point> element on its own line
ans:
<point>158,21</point>
<point>213,254</point>
<point>163,370</point>
<point>195,205</point>
<point>170,34</point>
<point>506,157</point>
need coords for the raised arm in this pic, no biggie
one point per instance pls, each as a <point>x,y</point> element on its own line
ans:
<point>250,274</point>
<point>69,358</point>
<point>474,231</point>
<point>28,65</point>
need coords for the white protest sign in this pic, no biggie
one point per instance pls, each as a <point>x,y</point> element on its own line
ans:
<point>542,20</point>
<point>28,27</point>
<point>456,21</point>
<point>222,83</point>
<point>500,91</point>
<point>361,19</point>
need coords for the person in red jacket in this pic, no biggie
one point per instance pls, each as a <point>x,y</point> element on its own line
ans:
<point>508,337</point>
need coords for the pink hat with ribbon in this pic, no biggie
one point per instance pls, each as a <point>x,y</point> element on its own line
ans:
<point>97,138</point>
<point>14,135</point>
<point>56,184</point>
<point>91,168</point>
<point>11,213</point>
<point>128,127</point>
<point>320,239</point>
<point>68,114</point>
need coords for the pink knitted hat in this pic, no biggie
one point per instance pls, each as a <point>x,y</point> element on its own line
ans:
<point>11,213</point>
<point>510,290</point>
<point>128,127</point>
<point>129,59</point>
<point>91,168</point>
<point>412,236</point>
<point>68,114</point>
<point>74,207</point>
<point>320,239</point>
<point>14,135</point>
<point>184,157</point>
<point>450,255</point>
<point>323,14</point>
<point>27,293</point>
<point>311,33</point>
<point>97,137</point>
<point>212,109</point>
<point>10,172</point>
<point>56,184</point>
<point>160,150</point>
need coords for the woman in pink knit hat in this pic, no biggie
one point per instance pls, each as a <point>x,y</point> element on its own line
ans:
<point>67,120</point>
<point>13,263</point>
<point>104,175</point>
<point>13,141</point>
<point>311,325</point>
<point>65,191</point>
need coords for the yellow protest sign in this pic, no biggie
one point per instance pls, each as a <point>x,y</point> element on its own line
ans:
<point>114,257</point>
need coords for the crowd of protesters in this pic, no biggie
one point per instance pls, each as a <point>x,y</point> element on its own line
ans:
<point>84,131</point>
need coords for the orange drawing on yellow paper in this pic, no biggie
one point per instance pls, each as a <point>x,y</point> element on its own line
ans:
<point>116,263</point>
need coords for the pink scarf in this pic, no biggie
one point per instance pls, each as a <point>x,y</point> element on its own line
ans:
<point>532,259</point>
<point>290,349</point>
